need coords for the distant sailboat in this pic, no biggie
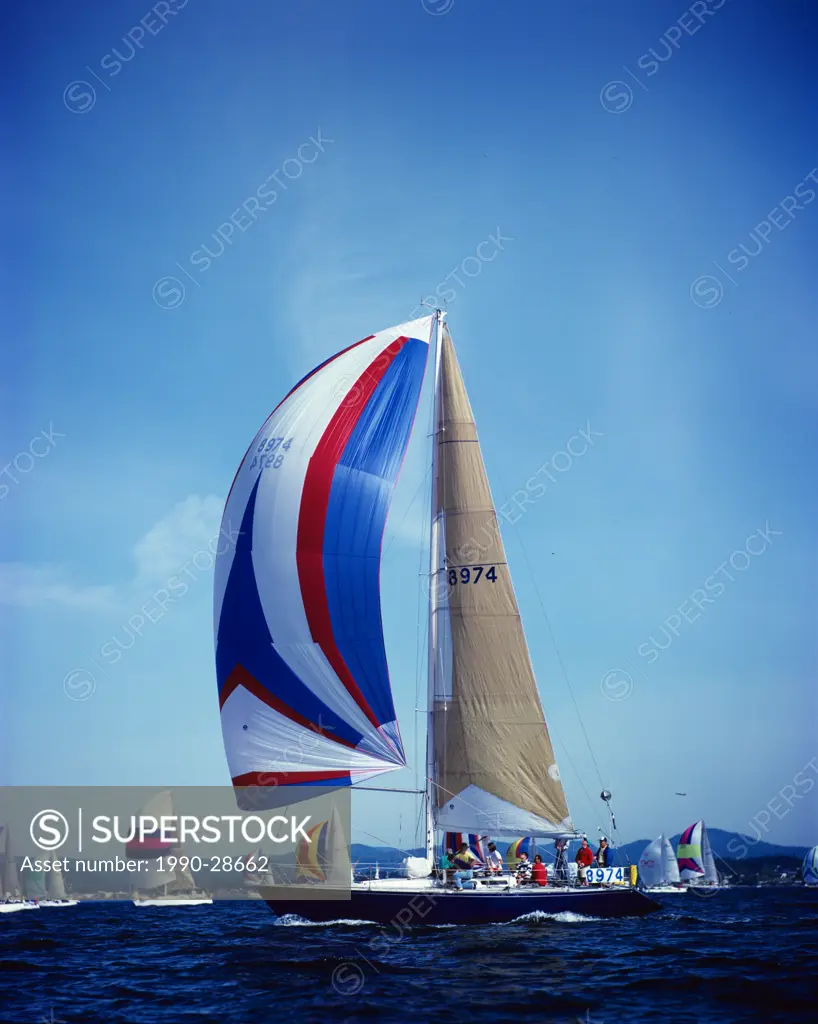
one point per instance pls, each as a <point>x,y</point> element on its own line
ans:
<point>56,895</point>
<point>658,868</point>
<point>809,869</point>
<point>177,883</point>
<point>300,655</point>
<point>10,900</point>
<point>695,856</point>
<point>34,885</point>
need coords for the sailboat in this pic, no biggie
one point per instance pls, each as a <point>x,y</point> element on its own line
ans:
<point>809,869</point>
<point>56,895</point>
<point>659,869</point>
<point>303,681</point>
<point>695,856</point>
<point>10,900</point>
<point>177,885</point>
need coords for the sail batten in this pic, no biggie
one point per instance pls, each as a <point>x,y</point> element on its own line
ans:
<point>494,766</point>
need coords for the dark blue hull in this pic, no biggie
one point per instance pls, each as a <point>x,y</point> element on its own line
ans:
<point>442,906</point>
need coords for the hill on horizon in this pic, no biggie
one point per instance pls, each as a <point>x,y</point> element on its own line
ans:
<point>726,846</point>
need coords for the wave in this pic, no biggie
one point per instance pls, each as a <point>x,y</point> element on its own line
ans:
<point>563,917</point>
<point>294,921</point>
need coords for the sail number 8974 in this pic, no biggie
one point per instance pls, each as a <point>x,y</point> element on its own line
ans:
<point>472,574</point>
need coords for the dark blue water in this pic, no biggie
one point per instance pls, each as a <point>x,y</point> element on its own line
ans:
<point>740,955</point>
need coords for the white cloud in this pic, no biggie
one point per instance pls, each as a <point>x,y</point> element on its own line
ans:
<point>187,528</point>
<point>33,586</point>
<point>167,546</point>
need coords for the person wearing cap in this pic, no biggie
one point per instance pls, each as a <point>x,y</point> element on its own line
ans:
<point>494,860</point>
<point>604,857</point>
<point>585,858</point>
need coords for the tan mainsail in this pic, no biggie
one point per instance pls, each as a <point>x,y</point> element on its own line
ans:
<point>488,724</point>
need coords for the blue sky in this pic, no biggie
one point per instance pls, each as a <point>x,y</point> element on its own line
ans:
<point>625,186</point>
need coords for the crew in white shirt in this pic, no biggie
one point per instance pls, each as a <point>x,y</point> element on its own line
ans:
<point>494,860</point>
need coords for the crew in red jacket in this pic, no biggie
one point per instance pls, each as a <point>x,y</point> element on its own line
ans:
<point>585,858</point>
<point>539,872</point>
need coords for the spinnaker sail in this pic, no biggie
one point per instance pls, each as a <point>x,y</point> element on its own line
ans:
<point>695,855</point>
<point>454,840</point>
<point>493,768</point>
<point>324,857</point>
<point>303,679</point>
<point>150,848</point>
<point>524,845</point>
<point>809,869</point>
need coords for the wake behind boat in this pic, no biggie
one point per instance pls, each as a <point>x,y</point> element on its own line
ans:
<point>300,653</point>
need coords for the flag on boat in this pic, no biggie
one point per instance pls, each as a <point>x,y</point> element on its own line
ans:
<point>516,848</point>
<point>303,680</point>
<point>809,869</point>
<point>454,840</point>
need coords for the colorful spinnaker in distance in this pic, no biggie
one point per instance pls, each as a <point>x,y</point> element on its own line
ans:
<point>519,846</point>
<point>695,857</point>
<point>809,869</point>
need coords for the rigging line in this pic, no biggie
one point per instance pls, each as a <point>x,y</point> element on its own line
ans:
<point>409,508</point>
<point>384,789</point>
<point>565,674</point>
<point>559,659</point>
<point>388,845</point>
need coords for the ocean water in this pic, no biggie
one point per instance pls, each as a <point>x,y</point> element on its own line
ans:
<point>738,955</point>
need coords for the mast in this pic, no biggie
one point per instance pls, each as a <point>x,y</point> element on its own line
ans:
<point>433,574</point>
